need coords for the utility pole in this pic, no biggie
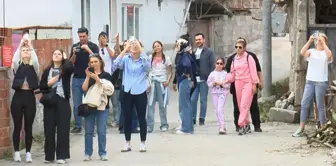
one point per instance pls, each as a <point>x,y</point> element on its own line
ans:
<point>3,13</point>
<point>267,48</point>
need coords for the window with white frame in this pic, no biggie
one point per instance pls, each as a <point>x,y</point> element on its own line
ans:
<point>130,21</point>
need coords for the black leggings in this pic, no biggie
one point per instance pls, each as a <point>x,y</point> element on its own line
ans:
<point>23,104</point>
<point>140,103</point>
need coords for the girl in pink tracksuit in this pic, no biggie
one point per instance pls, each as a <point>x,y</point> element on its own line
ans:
<point>219,92</point>
<point>244,75</point>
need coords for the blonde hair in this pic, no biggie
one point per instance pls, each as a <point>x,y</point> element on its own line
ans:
<point>21,59</point>
<point>324,36</point>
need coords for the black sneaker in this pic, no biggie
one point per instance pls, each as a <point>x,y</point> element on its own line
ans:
<point>257,130</point>
<point>76,130</point>
<point>237,129</point>
<point>241,131</point>
<point>194,121</point>
<point>247,129</point>
<point>201,121</point>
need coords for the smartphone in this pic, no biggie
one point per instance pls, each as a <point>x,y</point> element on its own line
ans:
<point>54,73</point>
<point>91,69</point>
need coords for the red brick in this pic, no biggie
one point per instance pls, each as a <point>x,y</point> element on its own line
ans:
<point>4,112</point>
<point>4,132</point>
<point>4,151</point>
<point>4,122</point>
<point>4,142</point>
<point>3,75</point>
<point>3,93</point>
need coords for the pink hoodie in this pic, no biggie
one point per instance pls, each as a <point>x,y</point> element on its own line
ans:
<point>243,68</point>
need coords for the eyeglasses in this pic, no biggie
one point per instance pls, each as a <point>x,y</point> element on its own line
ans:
<point>102,50</point>
<point>240,47</point>
<point>218,63</point>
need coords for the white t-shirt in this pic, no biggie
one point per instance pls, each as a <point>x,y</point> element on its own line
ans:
<point>107,60</point>
<point>160,68</point>
<point>317,66</point>
<point>198,53</point>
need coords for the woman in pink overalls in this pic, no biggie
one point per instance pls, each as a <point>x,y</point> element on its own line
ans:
<point>244,75</point>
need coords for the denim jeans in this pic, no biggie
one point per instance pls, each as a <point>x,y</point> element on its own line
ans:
<point>77,96</point>
<point>158,97</point>
<point>116,106</point>
<point>202,91</point>
<point>185,112</point>
<point>101,117</point>
<point>317,89</point>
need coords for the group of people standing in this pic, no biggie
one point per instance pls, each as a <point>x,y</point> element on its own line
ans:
<point>133,82</point>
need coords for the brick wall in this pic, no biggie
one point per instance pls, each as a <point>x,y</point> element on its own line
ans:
<point>5,145</point>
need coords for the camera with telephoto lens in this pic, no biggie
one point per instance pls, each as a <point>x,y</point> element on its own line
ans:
<point>78,49</point>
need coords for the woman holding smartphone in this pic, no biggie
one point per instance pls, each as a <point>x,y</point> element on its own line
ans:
<point>316,80</point>
<point>56,79</point>
<point>135,65</point>
<point>26,68</point>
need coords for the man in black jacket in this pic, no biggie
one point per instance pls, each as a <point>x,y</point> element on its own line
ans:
<point>254,109</point>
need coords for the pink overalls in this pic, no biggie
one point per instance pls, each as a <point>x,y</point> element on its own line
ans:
<point>218,94</point>
<point>244,75</point>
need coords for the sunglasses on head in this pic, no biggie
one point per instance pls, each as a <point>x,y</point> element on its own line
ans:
<point>219,63</point>
<point>102,50</point>
<point>240,47</point>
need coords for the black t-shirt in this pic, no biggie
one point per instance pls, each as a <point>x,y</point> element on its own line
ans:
<point>103,75</point>
<point>82,59</point>
<point>230,60</point>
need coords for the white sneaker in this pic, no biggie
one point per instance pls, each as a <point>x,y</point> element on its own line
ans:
<point>29,157</point>
<point>164,129</point>
<point>142,148</point>
<point>17,157</point>
<point>181,132</point>
<point>127,147</point>
<point>60,161</point>
<point>103,158</point>
<point>178,128</point>
<point>87,158</point>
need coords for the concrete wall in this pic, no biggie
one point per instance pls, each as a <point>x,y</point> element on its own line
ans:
<point>226,30</point>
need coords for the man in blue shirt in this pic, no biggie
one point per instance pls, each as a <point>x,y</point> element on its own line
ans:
<point>80,58</point>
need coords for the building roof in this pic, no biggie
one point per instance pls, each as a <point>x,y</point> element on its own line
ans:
<point>41,27</point>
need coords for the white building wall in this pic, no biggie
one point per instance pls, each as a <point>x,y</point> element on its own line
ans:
<point>19,13</point>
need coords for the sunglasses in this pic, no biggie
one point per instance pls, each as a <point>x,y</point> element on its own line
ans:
<point>102,50</point>
<point>218,63</point>
<point>240,47</point>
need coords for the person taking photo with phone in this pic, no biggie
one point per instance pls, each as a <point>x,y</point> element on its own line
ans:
<point>316,80</point>
<point>80,58</point>
<point>57,113</point>
<point>26,69</point>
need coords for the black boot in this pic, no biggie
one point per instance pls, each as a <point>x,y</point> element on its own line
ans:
<point>201,121</point>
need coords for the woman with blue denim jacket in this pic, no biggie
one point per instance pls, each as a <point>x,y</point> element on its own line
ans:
<point>185,79</point>
<point>316,79</point>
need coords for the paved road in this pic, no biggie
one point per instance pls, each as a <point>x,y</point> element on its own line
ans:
<point>273,147</point>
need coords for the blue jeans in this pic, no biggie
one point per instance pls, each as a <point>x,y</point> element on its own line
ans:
<point>157,97</point>
<point>101,118</point>
<point>317,89</point>
<point>200,90</point>
<point>116,106</point>
<point>77,96</point>
<point>185,112</point>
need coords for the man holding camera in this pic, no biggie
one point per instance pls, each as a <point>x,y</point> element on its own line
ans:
<point>80,58</point>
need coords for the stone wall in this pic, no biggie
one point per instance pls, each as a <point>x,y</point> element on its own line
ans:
<point>5,145</point>
<point>225,31</point>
